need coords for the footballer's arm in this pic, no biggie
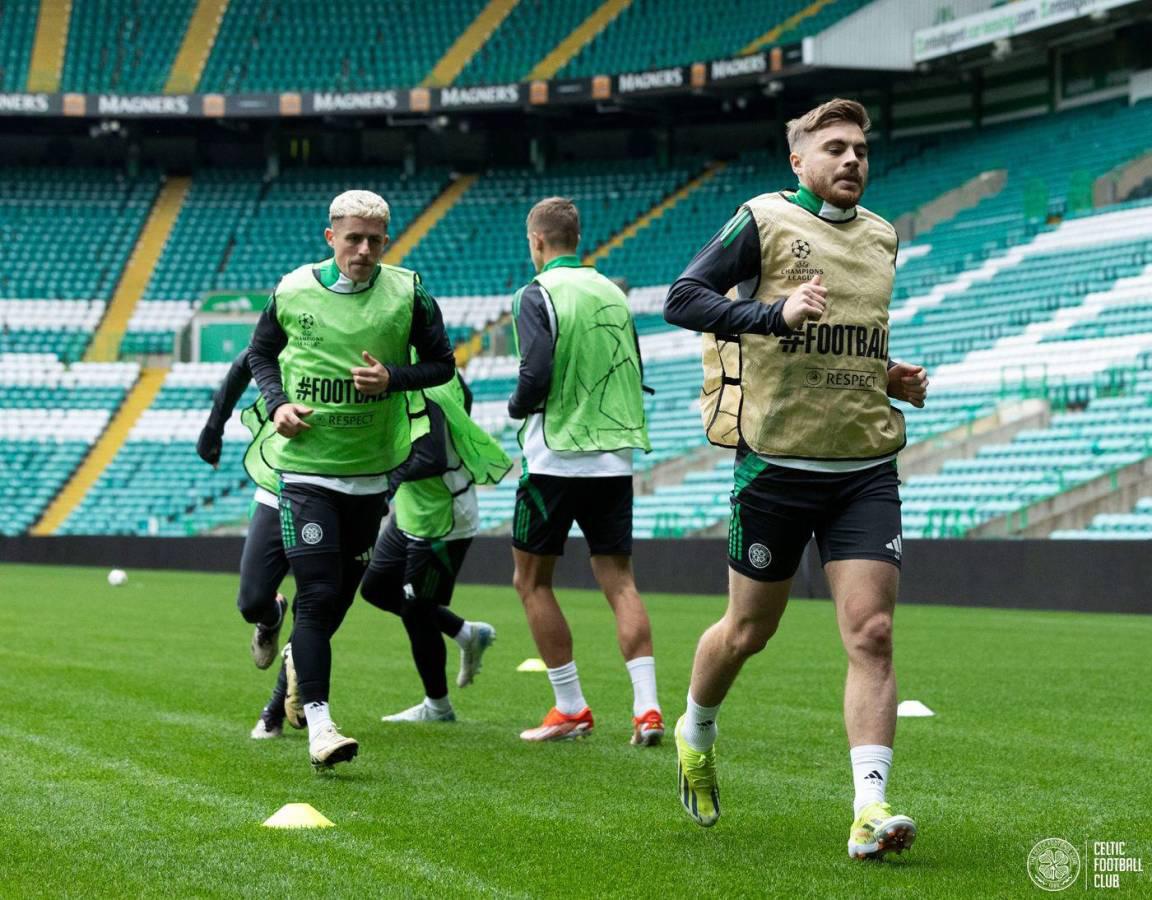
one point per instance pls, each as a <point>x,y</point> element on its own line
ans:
<point>697,300</point>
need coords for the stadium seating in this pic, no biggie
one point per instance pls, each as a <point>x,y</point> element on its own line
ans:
<point>1078,446</point>
<point>17,32</point>
<point>258,47</point>
<point>50,415</point>
<point>286,228</point>
<point>123,46</point>
<point>156,484</point>
<point>239,230</point>
<point>56,307</point>
<point>650,34</point>
<point>531,29</point>
<point>1130,526</point>
<point>999,301</point>
<point>659,253</point>
<point>479,247</point>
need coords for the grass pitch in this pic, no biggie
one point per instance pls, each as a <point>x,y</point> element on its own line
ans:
<point>128,770</point>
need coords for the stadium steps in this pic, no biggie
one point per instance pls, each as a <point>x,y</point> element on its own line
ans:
<point>581,36</point>
<point>138,272</point>
<point>1112,492</point>
<point>471,40</point>
<point>198,41</point>
<point>926,457</point>
<point>1119,183</point>
<point>672,471</point>
<point>47,62</point>
<point>427,220</point>
<point>647,218</point>
<point>946,206</point>
<point>103,451</point>
<point>773,34</point>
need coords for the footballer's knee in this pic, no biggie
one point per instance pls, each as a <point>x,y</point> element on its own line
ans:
<point>255,602</point>
<point>747,637</point>
<point>384,591</point>
<point>871,637</point>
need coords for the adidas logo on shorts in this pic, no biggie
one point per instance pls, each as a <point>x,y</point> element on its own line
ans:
<point>896,545</point>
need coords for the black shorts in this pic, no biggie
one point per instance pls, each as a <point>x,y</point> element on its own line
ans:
<point>547,505</point>
<point>776,510</point>
<point>430,567</point>
<point>318,520</point>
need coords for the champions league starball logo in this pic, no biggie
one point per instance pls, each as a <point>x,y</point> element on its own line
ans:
<point>801,249</point>
<point>307,321</point>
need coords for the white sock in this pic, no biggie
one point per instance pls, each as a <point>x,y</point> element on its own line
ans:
<point>870,765</point>
<point>464,635</point>
<point>566,685</point>
<point>643,672</point>
<point>317,715</point>
<point>700,725</point>
<point>442,705</point>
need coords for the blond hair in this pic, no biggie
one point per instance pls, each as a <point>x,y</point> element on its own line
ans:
<point>837,110</point>
<point>360,205</point>
<point>557,220</point>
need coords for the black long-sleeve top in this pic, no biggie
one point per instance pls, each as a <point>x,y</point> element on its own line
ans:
<point>429,454</point>
<point>697,298</point>
<point>436,366</point>
<point>537,346</point>
<point>210,442</point>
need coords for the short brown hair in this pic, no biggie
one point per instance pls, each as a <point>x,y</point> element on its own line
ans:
<point>838,110</point>
<point>557,220</point>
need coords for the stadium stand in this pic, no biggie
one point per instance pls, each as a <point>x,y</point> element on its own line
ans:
<point>256,49</point>
<point>238,230</point>
<point>1024,291</point>
<point>50,415</point>
<point>1044,285</point>
<point>516,46</point>
<point>479,247</point>
<point>1131,526</point>
<point>156,484</point>
<point>1079,446</point>
<point>650,34</point>
<point>55,308</point>
<point>123,46</point>
<point>657,254</point>
<point>17,31</point>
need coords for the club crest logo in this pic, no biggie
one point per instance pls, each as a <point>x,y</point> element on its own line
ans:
<point>760,556</point>
<point>311,533</point>
<point>1053,864</point>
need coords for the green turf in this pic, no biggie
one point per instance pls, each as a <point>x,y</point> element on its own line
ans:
<point>128,769</point>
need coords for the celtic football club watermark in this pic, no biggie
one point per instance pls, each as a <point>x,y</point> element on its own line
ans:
<point>1055,865</point>
<point>1110,864</point>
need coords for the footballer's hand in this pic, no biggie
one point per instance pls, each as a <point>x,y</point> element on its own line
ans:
<point>807,302</point>
<point>209,447</point>
<point>371,380</point>
<point>908,383</point>
<point>289,419</point>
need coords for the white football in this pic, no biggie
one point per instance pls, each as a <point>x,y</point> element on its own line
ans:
<point>117,577</point>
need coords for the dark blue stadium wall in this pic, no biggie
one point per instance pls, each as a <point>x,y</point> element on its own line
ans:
<point>1090,576</point>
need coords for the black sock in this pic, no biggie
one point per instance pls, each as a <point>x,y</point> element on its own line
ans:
<point>447,621</point>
